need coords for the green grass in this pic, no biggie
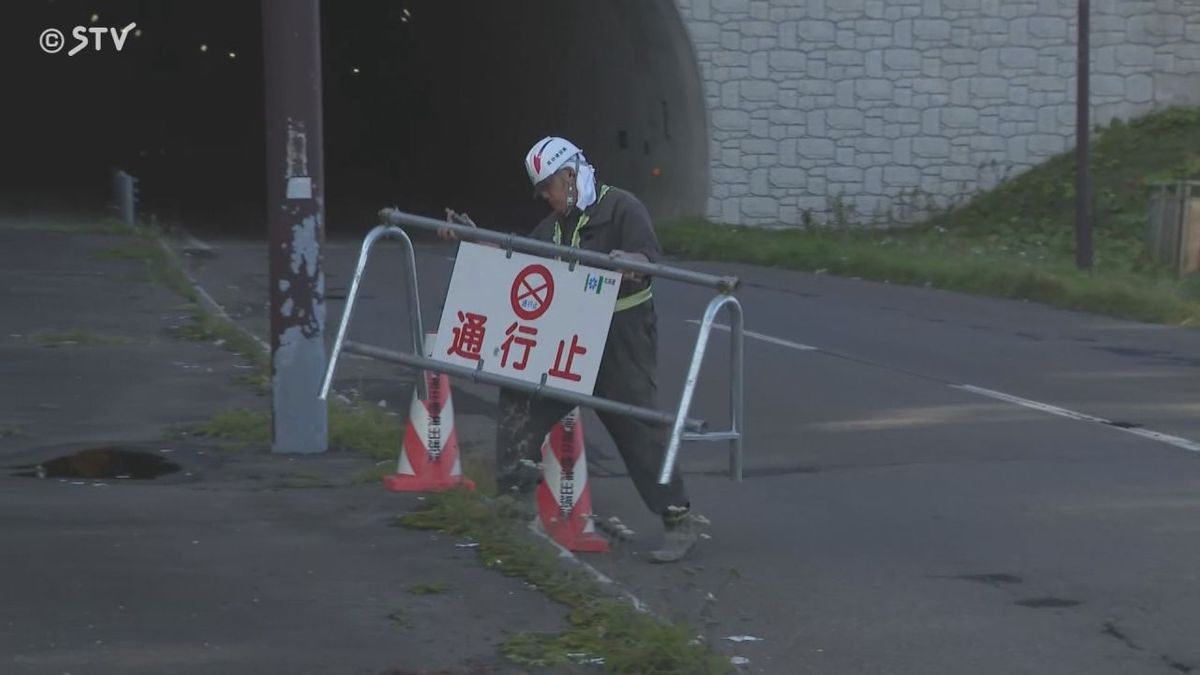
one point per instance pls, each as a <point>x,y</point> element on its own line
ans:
<point>399,618</point>
<point>374,474</point>
<point>239,428</point>
<point>480,468</point>
<point>1015,242</point>
<point>75,337</point>
<point>163,267</point>
<point>366,430</point>
<point>435,588</point>
<point>145,245</point>
<point>207,327</point>
<point>108,226</point>
<point>1125,158</point>
<point>10,432</point>
<point>259,380</point>
<point>600,627</point>
<point>302,480</point>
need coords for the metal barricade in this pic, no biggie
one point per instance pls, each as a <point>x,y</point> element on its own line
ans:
<point>682,427</point>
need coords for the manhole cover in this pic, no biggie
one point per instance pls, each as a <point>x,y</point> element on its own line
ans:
<point>113,463</point>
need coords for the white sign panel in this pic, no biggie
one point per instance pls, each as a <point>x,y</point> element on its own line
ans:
<point>525,317</point>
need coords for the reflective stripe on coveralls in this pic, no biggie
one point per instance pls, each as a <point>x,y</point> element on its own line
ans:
<point>629,301</point>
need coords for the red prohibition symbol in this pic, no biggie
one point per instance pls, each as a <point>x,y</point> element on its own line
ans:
<point>532,291</point>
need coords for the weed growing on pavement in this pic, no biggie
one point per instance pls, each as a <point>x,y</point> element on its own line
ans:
<point>163,267</point>
<point>75,338</point>
<point>258,380</point>
<point>207,327</point>
<point>377,434</point>
<point>375,474</point>
<point>601,628</point>
<point>108,226</point>
<point>145,245</point>
<point>10,432</point>
<point>303,480</point>
<point>367,430</point>
<point>135,249</point>
<point>479,468</point>
<point>475,468</point>
<point>435,588</point>
<point>241,428</point>
<point>399,618</point>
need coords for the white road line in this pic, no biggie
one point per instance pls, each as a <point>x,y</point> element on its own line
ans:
<point>1078,416</point>
<point>1008,398</point>
<point>1035,405</point>
<point>1165,438</point>
<point>212,303</point>
<point>599,576</point>
<point>765,338</point>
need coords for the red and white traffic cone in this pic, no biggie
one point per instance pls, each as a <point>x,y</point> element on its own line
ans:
<point>429,460</point>
<point>564,497</point>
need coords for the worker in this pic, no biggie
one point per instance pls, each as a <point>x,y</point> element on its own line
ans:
<point>590,215</point>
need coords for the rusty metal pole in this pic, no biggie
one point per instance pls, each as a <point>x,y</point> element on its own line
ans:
<point>295,223</point>
<point>1083,184</point>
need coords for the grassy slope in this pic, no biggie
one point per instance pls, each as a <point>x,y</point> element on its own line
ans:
<point>1017,241</point>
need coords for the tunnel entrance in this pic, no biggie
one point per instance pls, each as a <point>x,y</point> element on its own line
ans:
<point>428,104</point>
<point>433,104</point>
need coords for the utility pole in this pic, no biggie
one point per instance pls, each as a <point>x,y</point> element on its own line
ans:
<point>1083,184</point>
<point>295,223</point>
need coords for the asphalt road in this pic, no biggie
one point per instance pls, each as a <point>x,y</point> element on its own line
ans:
<point>935,483</point>
<point>229,560</point>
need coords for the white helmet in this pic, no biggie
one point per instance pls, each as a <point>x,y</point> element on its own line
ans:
<point>547,156</point>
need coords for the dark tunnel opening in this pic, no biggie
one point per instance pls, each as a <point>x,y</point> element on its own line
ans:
<point>427,104</point>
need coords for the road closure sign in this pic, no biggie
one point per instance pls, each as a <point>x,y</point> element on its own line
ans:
<point>525,317</point>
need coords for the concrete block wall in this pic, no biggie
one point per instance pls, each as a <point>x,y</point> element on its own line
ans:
<point>884,109</point>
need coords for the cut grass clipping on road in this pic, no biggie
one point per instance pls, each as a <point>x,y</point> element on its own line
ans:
<point>1015,242</point>
<point>602,629</point>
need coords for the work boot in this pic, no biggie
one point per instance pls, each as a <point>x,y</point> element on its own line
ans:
<point>682,531</point>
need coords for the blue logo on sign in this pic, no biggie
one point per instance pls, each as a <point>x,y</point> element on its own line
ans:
<point>597,283</point>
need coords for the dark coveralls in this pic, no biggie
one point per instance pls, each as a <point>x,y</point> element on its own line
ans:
<point>627,369</point>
